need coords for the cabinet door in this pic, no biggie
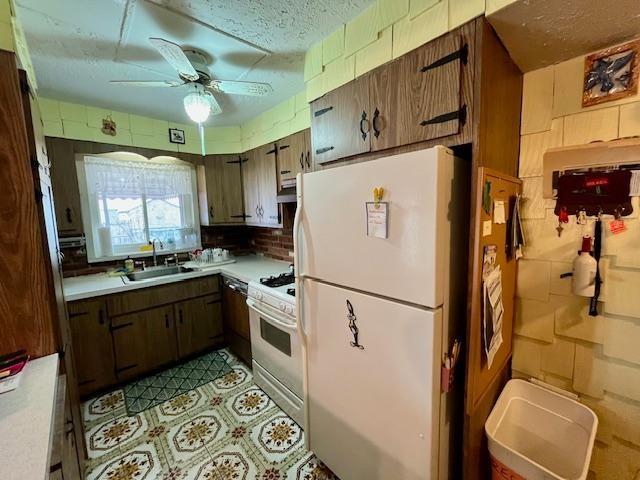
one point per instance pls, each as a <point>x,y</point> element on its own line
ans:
<point>429,98</point>
<point>65,185</point>
<point>308,162</point>
<point>269,207</point>
<point>251,186</point>
<point>92,345</point>
<point>384,108</point>
<point>144,341</point>
<point>199,324</point>
<point>337,126</point>
<point>224,189</point>
<point>292,151</point>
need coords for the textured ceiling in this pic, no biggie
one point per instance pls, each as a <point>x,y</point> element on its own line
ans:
<point>77,46</point>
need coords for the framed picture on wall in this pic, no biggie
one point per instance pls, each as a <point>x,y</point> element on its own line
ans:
<point>176,136</point>
<point>611,74</point>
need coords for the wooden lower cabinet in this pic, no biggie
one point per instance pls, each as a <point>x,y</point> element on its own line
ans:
<point>236,323</point>
<point>92,345</point>
<point>199,324</point>
<point>66,460</point>
<point>144,341</point>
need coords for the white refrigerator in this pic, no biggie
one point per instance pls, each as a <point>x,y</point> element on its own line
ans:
<point>378,306</point>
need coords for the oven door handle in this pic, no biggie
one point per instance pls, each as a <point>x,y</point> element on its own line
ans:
<point>252,305</point>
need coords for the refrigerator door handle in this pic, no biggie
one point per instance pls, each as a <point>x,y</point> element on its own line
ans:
<point>297,241</point>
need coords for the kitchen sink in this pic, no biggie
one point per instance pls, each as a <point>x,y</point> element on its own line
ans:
<point>154,272</point>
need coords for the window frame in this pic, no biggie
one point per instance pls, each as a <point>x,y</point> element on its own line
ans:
<point>89,210</point>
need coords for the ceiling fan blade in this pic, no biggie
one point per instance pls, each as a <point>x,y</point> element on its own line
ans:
<point>216,109</point>
<point>235,87</point>
<point>147,83</point>
<point>173,54</point>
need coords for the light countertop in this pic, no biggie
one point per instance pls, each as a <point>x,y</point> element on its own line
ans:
<point>26,421</point>
<point>246,269</point>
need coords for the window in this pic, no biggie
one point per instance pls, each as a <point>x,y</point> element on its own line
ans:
<point>128,201</point>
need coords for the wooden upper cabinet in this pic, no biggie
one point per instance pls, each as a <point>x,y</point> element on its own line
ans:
<point>65,186</point>
<point>429,90</point>
<point>260,184</point>
<point>92,346</point>
<point>293,157</point>
<point>383,105</point>
<point>250,184</point>
<point>338,128</point>
<point>220,190</point>
<point>199,324</point>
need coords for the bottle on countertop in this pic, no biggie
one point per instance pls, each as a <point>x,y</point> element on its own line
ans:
<point>129,265</point>
<point>583,281</point>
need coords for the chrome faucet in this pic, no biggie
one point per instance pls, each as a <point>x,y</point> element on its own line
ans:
<point>153,246</point>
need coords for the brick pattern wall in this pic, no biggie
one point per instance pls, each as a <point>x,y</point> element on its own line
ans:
<point>555,338</point>
<point>275,242</point>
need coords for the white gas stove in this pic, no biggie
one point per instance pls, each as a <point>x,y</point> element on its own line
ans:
<point>275,343</point>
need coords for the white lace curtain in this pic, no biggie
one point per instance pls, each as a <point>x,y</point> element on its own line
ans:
<point>128,178</point>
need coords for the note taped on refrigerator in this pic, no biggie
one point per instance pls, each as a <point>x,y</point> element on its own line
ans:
<point>492,312</point>
<point>378,219</point>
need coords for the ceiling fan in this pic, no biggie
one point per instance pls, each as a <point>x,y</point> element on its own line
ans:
<point>191,66</point>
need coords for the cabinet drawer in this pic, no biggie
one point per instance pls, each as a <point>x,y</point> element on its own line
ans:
<point>145,298</point>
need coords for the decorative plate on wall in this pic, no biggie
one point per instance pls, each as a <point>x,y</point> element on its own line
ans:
<point>611,74</point>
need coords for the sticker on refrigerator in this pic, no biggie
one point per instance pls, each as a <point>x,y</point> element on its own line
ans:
<point>378,219</point>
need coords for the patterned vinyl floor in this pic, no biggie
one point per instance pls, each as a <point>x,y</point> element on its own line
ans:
<point>227,429</point>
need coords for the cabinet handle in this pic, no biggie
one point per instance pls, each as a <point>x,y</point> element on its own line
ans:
<point>460,115</point>
<point>374,122</point>
<point>324,150</point>
<point>180,316</point>
<point>462,54</point>
<point>284,172</point>
<point>363,119</point>
<point>322,111</point>
<point>118,327</point>
<point>257,211</point>
<point>166,320</point>
<point>307,159</point>
<point>210,212</point>
<point>100,317</point>
<point>68,212</point>
<point>302,160</point>
<point>261,211</point>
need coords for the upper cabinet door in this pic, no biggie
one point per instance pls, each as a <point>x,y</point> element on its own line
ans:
<point>268,186</point>
<point>308,160</point>
<point>65,185</point>
<point>383,105</point>
<point>224,189</point>
<point>429,96</point>
<point>292,157</point>
<point>250,183</point>
<point>340,122</point>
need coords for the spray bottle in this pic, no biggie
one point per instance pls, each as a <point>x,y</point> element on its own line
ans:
<point>584,271</point>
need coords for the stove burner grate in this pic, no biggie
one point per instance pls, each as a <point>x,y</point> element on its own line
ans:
<point>279,281</point>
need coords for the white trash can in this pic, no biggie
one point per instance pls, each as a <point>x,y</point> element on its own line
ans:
<point>537,434</point>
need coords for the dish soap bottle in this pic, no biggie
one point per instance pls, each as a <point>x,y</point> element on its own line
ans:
<point>129,265</point>
<point>583,281</point>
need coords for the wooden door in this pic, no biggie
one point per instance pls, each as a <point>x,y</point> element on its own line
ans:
<point>251,186</point>
<point>144,341</point>
<point>338,128</point>
<point>92,345</point>
<point>199,324</point>
<point>292,155</point>
<point>235,313</point>
<point>224,189</point>
<point>65,185</point>
<point>383,105</point>
<point>268,185</point>
<point>429,84</point>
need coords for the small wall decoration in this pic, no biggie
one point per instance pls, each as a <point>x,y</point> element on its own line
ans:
<point>109,126</point>
<point>611,74</point>
<point>176,136</point>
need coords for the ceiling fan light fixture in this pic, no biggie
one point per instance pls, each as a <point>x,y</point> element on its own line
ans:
<point>198,105</point>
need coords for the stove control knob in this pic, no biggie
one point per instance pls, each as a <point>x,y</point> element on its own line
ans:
<point>282,306</point>
<point>259,295</point>
<point>289,309</point>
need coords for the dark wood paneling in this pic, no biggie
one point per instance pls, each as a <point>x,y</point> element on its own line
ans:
<point>384,97</point>
<point>145,298</point>
<point>223,187</point>
<point>27,305</point>
<point>292,156</point>
<point>336,132</point>
<point>498,103</point>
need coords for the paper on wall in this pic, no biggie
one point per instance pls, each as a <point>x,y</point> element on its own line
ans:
<point>499,215</point>
<point>492,313</point>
